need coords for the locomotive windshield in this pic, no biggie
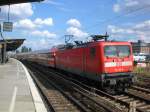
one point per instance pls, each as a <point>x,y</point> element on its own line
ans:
<point>117,51</point>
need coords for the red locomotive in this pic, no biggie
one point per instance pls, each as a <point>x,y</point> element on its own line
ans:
<point>108,62</point>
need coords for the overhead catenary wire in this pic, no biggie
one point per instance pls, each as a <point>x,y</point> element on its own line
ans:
<point>118,17</point>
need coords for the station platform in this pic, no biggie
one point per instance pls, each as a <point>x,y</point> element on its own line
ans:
<point>18,92</point>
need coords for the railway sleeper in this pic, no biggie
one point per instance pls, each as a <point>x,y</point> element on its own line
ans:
<point>56,97</point>
<point>138,104</point>
<point>139,95</point>
<point>145,107</point>
<point>128,100</point>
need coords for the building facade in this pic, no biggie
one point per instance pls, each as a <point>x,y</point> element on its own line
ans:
<point>141,47</point>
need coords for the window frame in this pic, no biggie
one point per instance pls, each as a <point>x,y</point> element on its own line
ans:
<point>117,54</point>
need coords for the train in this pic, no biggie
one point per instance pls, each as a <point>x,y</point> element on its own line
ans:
<point>110,63</point>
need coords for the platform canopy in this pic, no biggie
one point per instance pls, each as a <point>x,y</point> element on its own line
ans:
<point>9,2</point>
<point>12,44</point>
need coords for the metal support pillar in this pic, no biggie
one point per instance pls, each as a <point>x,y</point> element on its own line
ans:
<point>3,54</point>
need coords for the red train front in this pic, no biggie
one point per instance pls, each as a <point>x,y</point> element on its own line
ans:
<point>117,64</point>
<point>110,63</point>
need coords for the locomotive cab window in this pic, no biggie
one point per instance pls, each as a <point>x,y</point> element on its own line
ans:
<point>117,51</point>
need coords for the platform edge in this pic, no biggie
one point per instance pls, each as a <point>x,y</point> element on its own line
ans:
<point>38,102</point>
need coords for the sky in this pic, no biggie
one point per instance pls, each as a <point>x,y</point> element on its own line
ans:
<point>44,24</point>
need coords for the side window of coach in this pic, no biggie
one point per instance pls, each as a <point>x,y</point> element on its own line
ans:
<point>92,52</point>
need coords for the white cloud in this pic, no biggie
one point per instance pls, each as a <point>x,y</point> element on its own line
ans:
<point>136,31</point>
<point>114,29</point>
<point>18,11</point>
<point>47,21</point>
<point>35,27</point>
<point>143,26</point>
<point>30,25</point>
<point>44,33</point>
<point>131,5</point>
<point>74,23</point>
<point>76,32</point>
<point>44,43</point>
<point>25,24</point>
<point>116,7</point>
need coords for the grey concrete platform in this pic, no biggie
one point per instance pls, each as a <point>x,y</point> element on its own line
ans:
<point>16,94</point>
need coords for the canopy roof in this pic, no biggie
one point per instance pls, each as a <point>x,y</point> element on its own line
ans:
<point>8,2</point>
<point>13,44</point>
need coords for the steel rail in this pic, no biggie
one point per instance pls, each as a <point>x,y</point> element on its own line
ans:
<point>80,106</point>
<point>82,91</point>
<point>99,92</point>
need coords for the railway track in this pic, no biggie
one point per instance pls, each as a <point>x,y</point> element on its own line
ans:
<point>143,81</point>
<point>141,89</point>
<point>53,95</point>
<point>124,102</point>
<point>82,99</point>
<point>58,103</point>
<point>140,96</point>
